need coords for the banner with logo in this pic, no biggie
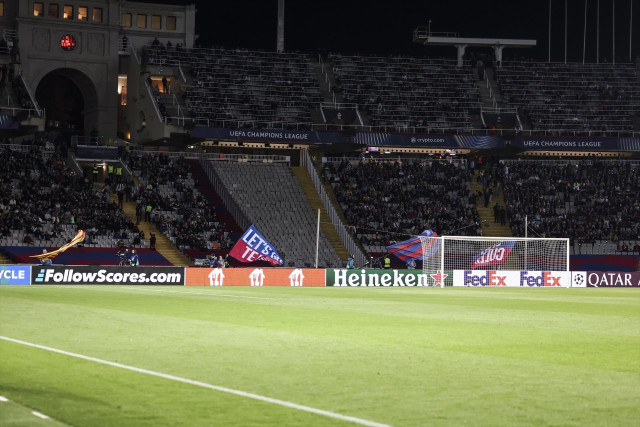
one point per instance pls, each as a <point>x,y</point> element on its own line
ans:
<point>606,279</point>
<point>377,277</point>
<point>364,138</point>
<point>98,275</point>
<point>252,246</point>
<point>15,274</point>
<point>495,255</point>
<point>254,277</point>
<point>269,135</point>
<point>512,278</point>
<point>576,143</point>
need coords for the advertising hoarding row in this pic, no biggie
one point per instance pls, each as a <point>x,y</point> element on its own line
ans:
<point>306,277</point>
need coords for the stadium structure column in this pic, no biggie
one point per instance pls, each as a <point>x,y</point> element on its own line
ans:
<point>461,49</point>
<point>280,36</point>
<point>497,50</point>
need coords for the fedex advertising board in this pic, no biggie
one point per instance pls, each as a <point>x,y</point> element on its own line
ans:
<point>254,277</point>
<point>512,278</point>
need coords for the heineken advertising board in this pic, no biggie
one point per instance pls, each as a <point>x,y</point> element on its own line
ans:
<point>375,277</point>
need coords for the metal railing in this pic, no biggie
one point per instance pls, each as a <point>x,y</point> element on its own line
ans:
<point>230,204</point>
<point>33,100</point>
<point>256,158</point>
<point>153,100</point>
<point>347,239</point>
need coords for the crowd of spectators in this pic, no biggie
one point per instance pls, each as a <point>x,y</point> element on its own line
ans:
<point>597,99</point>
<point>587,201</point>
<point>409,94</point>
<point>42,197</point>
<point>388,201</point>
<point>168,197</point>
<point>242,88</point>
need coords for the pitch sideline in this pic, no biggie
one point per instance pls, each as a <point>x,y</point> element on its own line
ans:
<point>204,385</point>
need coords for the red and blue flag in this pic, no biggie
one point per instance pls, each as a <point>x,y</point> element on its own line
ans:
<point>495,255</point>
<point>252,246</point>
<point>412,248</point>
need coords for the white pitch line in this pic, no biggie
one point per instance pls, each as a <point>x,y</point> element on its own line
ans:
<point>191,293</point>
<point>40,415</point>
<point>3,399</point>
<point>241,393</point>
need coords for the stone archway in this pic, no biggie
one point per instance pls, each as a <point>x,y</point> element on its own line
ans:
<point>69,99</point>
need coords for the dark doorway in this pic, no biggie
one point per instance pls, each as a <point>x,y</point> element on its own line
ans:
<point>62,100</point>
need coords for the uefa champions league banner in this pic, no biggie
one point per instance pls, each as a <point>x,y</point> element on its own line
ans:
<point>363,138</point>
<point>576,143</point>
<point>269,135</point>
<point>427,140</point>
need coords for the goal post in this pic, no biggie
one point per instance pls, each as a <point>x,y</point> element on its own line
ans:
<point>494,253</point>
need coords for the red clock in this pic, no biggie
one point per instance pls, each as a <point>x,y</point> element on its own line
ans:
<point>67,42</point>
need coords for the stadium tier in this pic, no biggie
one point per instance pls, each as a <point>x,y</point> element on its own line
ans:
<point>176,100</point>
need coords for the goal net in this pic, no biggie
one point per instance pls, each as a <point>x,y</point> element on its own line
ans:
<point>494,253</point>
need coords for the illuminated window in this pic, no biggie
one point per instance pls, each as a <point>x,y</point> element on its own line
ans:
<point>141,21</point>
<point>83,13</point>
<point>97,14</point>
<point>38,9</point>
<point>1,8</point>
<point>125,20</point>
<point>67,12</point>
<point>53,10</point>
<point>171,23</point>
<point>156,22</point>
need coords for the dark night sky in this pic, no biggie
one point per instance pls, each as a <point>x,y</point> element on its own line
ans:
<point>367,26</point>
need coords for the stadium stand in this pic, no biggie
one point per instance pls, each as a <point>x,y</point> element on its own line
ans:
<point>405,93</point>
<point>279,210</point>
<point>178,209</point>
<point>570,99</point>
<point>594,202</point>
<point>45,203</point>
<point>388,200</point>
<point>239,88</point>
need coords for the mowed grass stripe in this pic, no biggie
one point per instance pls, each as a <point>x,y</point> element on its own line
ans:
<point>378,355</point>
<point>188,381</point>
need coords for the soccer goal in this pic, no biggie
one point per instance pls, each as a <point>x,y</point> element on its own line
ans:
<point>494,253</point>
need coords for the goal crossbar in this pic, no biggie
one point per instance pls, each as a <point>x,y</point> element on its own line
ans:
<point>494,253</point>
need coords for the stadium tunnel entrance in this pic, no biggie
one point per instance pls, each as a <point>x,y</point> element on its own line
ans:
<point>69,99</point>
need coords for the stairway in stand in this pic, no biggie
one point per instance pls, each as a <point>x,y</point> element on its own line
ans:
<point>4,260</point>
<point>314,201</point>
<point>163,245</point>
<point>213,199</point>
<point>489,227</point>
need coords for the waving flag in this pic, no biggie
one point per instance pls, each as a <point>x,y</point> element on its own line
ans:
<point>252,246</point>
<point>412,248</point>
<point>495,255</point>
<point>51,255</point>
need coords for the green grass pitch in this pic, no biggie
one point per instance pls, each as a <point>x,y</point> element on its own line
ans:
<point>395,356</point>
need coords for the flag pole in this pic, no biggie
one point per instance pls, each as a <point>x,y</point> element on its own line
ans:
<point>526,246</point>
<point>549,60</point>
<point>317,237</point>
